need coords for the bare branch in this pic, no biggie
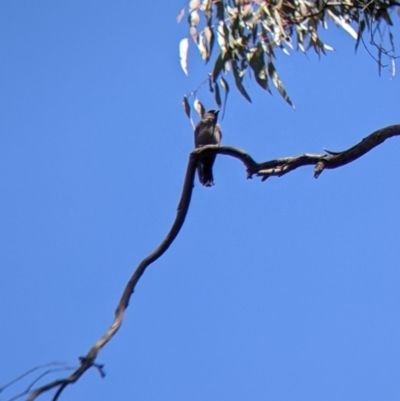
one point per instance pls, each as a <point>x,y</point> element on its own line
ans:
<point>43,374</point>
<point>61,367</point>
<point>329,160</point>
<point>277,167</point>
<point>88,361</point>
<point>28,372</point>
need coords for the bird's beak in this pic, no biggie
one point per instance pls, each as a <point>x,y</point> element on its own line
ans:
<point>216,113</point>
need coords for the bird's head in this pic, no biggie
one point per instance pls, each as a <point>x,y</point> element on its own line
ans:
<point>211,115</point>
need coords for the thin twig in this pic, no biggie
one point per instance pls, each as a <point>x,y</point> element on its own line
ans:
<point>45,373</point>
<point>28,372</point>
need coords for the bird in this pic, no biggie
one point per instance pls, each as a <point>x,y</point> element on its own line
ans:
<point>207,132</point>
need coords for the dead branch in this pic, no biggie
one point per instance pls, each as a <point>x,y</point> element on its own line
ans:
<point>39,377</point>
<point>328,160</point>
<point>277,167</point>
<point>88,360</point>
<point>60,367</point>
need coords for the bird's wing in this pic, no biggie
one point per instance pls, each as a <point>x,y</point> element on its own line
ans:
<point>196,133</point>
<point>218,133</point>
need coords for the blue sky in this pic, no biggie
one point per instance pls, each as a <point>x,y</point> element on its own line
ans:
<point>282,290</point>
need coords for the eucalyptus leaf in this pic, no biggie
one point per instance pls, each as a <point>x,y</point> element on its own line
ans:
<point>238,81</point>
<point>183,51</point>
<point>194,5</point>
<point>278,84</point>
<point>186,106</point>
<point>217,95</point>
<point>198,106</point>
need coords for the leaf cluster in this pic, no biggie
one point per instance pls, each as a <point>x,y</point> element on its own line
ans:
<point>249,32</point>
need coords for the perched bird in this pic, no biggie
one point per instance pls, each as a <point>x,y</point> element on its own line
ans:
<point>207,132</point>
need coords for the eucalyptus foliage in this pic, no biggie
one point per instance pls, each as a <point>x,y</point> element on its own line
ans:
<point>242,36</point>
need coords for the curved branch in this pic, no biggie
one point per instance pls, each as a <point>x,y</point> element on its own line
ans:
<point>328,160</point>
<point>88,361</point>
<point>277,167</point>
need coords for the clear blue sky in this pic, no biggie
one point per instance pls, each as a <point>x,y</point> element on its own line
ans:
<point>283,290</point>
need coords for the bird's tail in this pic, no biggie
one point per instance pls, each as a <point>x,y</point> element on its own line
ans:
<point>205,173</point>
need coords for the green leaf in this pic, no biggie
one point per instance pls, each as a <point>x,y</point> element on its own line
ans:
<point>278,84</point>
<point>210,83</point>
<point>186,106</point>
<point>238,81</point>
<point>361,27</point>
<point>222,36</point>
<point>257,64</point>
<point>220,10</point>
<point>385,15</point>
<point>217,95</point>
<point>225,86</point>
<point>209,34</point>
<point>254,32</point>
<point>219,64</point>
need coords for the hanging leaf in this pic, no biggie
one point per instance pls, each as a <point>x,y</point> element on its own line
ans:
<point>186,106</point>
<point>217,95</point>
<point>180,15</point>
<point>339,20</point>
<point>209,34</point>
<point>194,18</point>
<point>254,32</point>
<point>385,15</point>
<point>206,7</point>
<point>183,50</point>
<point>238,81</point>
<point>220,64</point>
<point>201,45</point>
<point>199,107</point>
<point>193,33</point>
<point>194,5</point>
<point>278,84</point>
<point>261,79</point>
<point>210,83</point>
<point>220,10</point>
<point>225,86</point>
<point>221,36</point>
<point>257,64</point>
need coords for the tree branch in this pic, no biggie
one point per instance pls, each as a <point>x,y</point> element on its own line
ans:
<point>328,160</point>
<point>277,167</point>
<point>88,360</point>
